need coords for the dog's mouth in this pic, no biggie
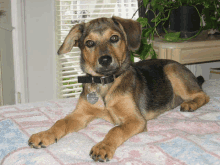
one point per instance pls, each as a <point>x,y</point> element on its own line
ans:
<point>106,71</point>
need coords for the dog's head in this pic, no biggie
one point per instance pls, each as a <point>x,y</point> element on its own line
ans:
<point>105,44</point>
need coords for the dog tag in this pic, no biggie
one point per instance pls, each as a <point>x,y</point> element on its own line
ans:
<point>92,97</point>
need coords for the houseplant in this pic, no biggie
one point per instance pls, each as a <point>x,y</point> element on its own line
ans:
<point>162,10</point>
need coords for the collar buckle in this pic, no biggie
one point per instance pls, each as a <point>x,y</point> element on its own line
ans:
<point>114,77</point>
<point>93,80</point>
<point>102,80</point>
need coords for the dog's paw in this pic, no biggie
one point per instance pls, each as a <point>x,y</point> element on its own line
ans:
<point>189,106</point>
<point>102,152</point>
<point>41,140</point>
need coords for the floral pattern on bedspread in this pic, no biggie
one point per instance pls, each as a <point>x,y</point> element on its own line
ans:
<point>173,138</point>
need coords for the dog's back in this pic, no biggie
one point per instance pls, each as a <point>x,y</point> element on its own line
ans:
<point>158,93</point>
<point>156,87</point>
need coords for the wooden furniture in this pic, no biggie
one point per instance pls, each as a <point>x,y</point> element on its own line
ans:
<point>189,51</point>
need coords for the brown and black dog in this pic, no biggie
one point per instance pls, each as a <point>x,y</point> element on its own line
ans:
<point>124,93</point>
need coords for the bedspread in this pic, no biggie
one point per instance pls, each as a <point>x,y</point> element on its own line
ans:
<point>173,138</point>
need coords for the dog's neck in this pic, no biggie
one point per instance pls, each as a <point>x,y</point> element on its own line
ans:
<point>97,79</point>
<point>103,80</point>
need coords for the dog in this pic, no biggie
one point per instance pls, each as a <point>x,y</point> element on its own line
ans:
<point>115,89</point>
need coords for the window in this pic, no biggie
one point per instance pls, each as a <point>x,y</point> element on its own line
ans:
<point>71,12</point>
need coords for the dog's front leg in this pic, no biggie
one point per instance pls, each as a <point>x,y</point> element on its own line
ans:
<point>104,150</point>
<point>73,122</point>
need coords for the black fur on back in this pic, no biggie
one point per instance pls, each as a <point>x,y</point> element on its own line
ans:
<point>156,86</point>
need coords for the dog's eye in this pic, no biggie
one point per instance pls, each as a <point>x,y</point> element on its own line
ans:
<point>90,43</point>
<point>114,38</point>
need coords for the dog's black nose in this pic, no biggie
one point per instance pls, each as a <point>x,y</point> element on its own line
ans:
<point>105,60</point>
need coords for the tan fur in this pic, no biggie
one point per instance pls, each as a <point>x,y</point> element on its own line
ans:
<point>151,115</point>
<point>193,98</point>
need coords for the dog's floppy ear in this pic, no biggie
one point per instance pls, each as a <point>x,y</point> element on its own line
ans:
<point>133,31</point>
<point>71,39</point>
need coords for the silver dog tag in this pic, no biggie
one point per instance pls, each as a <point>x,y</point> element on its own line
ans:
<point>92,97</point>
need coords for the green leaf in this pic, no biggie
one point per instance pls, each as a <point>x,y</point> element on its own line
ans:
<point>155,19</point>
<point>154,55</point>
<point>152,35</point>
<point>132,56</point>
<point>145,2</point>
<point>160,8</point>
<point>165,19</point>
<point>153,3</point>
<point>213,18</point>
<point>156,5</point>
<point>206,4</point>
<point>144,41</point>
<point>143,21</point>
<point>146,32</point>
<point>172,36</point>
<point>145,51</point>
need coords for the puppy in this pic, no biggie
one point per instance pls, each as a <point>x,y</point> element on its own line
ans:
<point>123,93</point>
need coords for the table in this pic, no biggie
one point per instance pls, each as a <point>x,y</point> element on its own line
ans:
<point>188,52</point>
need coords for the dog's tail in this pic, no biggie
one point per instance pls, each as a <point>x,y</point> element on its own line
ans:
<point>200,80</point>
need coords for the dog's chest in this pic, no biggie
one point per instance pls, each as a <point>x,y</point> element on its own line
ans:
<point>96,96</point>
<point>96,93</point>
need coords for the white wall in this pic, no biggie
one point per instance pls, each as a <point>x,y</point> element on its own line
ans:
<point>34,50</point>
<point>40,49</point>
<point>6,52</point>
<point>204,69</point>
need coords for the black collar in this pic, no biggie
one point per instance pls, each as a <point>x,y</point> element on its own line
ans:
<point>96,79</point>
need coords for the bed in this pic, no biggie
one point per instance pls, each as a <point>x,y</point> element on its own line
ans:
<point>173,138</point>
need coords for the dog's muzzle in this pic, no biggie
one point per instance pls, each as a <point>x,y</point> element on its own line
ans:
<point>105,61</point>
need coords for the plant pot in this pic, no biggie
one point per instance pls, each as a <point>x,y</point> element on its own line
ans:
<point>186,20</point>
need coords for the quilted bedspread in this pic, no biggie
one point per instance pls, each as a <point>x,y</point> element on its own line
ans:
<point>173,138</point>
